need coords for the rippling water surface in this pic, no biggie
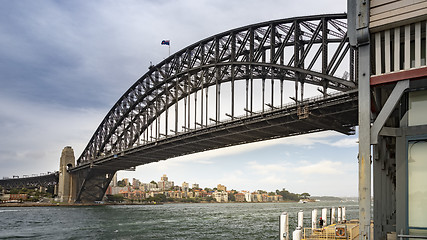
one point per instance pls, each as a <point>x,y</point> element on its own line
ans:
<point>169,221</point>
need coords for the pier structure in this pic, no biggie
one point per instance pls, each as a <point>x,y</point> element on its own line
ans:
<point>324,227</point>
<point>391,40</point>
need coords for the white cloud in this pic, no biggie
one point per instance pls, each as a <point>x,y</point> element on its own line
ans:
<point>345,142</point>
<point>266,169</point>
<point>324,167</point>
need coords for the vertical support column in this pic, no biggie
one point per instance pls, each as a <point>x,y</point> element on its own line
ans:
<point>377,53</point>
<point>247,90</point>
<point>189,102</point>
<point>157,118</point>
<point>167,109</point>
<point>185,104</point>
<point>333,220</point>
<point>195,108</point>
<point>325,55</point>
<point>284,226</point>
<point>407,62</point>
<point>217,82</point>
<point>300,219</point>
<point>202,76</point>
<point>397,49</point>
<point>281,92</point>
<point>378,195</point>
<point>207,103</point>
<point>272,54</point>
<point>251,60</point>
<point>364,142</point>
<point>189,81</point>
<point>387,57</point>
<point>296,57</point>
<point>418,44</point>
<point>314,219</point>
<point>361,15</point>
<point>263,80</point>
<point>325,216</point>
<point>176,106</point>
<point>233,59</point>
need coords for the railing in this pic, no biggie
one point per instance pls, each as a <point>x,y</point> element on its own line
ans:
<point>401,237</point>
<point>330,233</point>
<point>354,232</point>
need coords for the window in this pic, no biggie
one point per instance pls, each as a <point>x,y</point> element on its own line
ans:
<point>417,187</point>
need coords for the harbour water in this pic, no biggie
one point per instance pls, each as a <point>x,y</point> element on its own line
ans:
<point>168,221</point>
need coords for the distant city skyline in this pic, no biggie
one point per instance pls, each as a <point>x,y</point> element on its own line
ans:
<point>269,165</point>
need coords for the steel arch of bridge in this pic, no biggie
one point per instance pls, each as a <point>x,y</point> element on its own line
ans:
<point>284,50</point>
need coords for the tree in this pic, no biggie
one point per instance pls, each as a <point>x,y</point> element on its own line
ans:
<point>153,182</point>
<point>305,195</point>
<point>115,198</point>
<point>231,197</point>
<point>121,183</point>
<point>288,195</point>
<point>210,199</point>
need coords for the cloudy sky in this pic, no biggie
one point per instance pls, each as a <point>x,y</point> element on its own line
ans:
<point>63,64</point>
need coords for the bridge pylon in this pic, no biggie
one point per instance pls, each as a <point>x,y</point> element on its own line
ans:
<point>66,184</point>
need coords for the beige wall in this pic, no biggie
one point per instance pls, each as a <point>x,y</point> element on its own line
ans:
<point>391,13</point>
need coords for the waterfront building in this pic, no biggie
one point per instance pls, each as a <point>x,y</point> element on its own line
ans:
<point>256,197</point>
<point>117,190</point>
<point>248,197</point>
<point>164,178</point>
<point>221,196</point>
<point>190,194</point>
<point>135,183</point>
<point>164,184</point>
<point>126,181</point>
<point>239,197</point>
<point>195,186</point>
<point>114,180</point>
<point>143,187</point>
<point>221,188</point>
<point>152,187</point>
<point>185,187</point>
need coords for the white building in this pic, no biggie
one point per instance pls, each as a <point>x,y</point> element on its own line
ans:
<point>220,196</point>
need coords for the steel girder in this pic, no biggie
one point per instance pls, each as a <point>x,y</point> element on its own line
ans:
<point>30,182</point>
<point>285,50</point>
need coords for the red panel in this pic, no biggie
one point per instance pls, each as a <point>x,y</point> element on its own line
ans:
<point>397,76</point>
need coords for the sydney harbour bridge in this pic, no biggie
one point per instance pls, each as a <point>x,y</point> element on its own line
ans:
<point>232,88</point>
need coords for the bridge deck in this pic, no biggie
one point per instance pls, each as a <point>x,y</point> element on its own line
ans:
<point>337,112</point>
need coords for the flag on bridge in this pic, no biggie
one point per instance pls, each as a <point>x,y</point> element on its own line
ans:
<point>165,42</point>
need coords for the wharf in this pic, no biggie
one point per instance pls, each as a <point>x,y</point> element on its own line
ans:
<point>348,230</point>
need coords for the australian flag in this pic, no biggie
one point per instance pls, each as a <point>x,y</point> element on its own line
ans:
<point>165,42</point>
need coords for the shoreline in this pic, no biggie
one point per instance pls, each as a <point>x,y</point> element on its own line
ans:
<point>35,204</point>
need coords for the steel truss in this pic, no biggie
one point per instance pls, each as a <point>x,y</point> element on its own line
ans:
<point>283,50</point>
